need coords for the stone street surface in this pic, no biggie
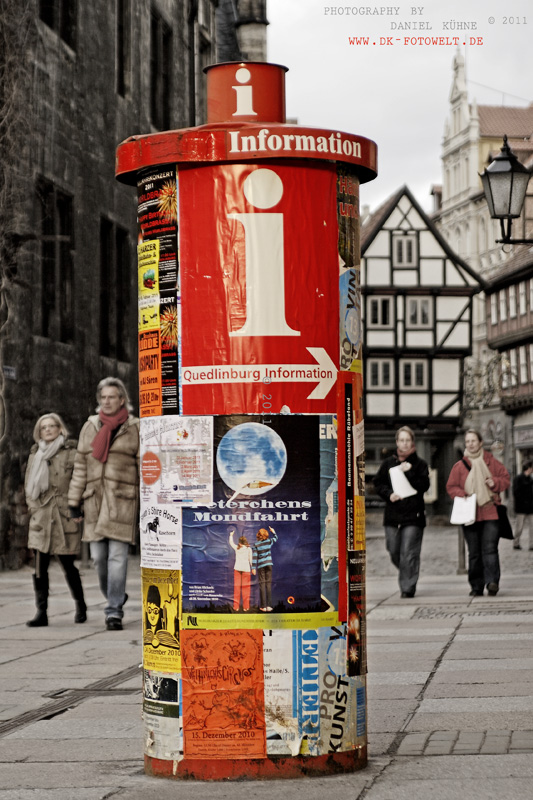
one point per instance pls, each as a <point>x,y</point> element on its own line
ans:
<point>450,691</point>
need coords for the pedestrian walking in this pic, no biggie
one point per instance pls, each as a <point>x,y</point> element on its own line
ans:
<point>480,473</point>
<point>105,490</point>
<point>404,517</point>
<point>523,504</point>
<point>51,531</point>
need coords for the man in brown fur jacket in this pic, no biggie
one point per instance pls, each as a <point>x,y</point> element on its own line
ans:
<point>105,481</point>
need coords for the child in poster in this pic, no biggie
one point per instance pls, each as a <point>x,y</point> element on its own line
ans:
<point>241,572</point>
<point>263,564</point>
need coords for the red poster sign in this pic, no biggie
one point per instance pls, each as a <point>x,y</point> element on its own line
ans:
<point>259,261</point>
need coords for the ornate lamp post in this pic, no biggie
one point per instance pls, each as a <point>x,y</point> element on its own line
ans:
<point>505,183</point>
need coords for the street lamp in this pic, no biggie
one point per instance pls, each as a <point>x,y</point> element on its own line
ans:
<point>505,183</point>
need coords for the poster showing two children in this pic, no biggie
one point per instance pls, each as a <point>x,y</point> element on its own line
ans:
<point>257,547</point>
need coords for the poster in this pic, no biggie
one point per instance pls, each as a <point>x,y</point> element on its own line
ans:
<point>160,535</point>
<point>307,688</point>
<point>176,460</point>
<point>350,323</point>
<point>161,615</point>
<point>312,705</point>
<point>356,633</point>
<point>329,511</point>
<point>281,711</point>
<point>157,251</point>
<point>266,501</point>
<point>223,694</point>
<point>259,288</point>
<point>163,727</point>
<point>338,699</point>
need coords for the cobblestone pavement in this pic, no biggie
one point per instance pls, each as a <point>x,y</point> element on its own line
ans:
<point>450,692</point>
<point>440,547</point>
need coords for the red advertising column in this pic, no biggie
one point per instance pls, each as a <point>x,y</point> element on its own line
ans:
<point>252,455</point>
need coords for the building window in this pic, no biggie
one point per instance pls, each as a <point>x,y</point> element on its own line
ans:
<point>380,373</point>
<point>413,374</point>
<point>531,362</point>
<point>405,250</point>
<point>514,367</point>
<point>494,309</point>
<point>503,305</point>
<point>523,365</point>
<point>115,294</point>
<point>57,262</point>
<point>419,312</point>
<point>522,297</point>
<point>509,369</point>
<point>123,62</point>
<point>512,301</point>
<point>380,315</point>
<point>160,66</point>
<point>60,16</point>
<point>531,294</point>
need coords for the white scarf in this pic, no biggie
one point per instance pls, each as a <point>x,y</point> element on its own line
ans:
<point>39,478</point>
<point>475,482</point>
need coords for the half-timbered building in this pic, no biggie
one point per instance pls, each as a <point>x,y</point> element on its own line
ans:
<point>509,313</point>
<point>417,323</point>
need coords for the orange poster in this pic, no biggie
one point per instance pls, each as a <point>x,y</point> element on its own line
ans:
<point>150,388</point>
<point>223,694</point>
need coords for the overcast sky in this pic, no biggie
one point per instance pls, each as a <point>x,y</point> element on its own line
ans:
<point>397,94</point>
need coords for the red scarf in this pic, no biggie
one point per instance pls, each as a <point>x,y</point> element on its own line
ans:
<point>102,441</point>
<point>404,456</point>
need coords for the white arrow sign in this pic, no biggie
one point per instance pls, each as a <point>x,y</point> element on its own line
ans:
<point>324,373</point>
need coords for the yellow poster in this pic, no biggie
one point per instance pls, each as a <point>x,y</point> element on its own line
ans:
<point>161,631</point>
<point>148,268</point>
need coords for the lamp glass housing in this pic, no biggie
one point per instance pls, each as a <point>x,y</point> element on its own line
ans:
<point>504,184</point>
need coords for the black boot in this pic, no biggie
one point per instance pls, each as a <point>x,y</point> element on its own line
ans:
<point>40,585</point>
<point>76,589</point>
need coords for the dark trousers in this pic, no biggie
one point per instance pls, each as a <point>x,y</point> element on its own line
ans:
<point>483,560</point>
<point>404,543</point>
<point>42,562</point>
<point>264,575</point>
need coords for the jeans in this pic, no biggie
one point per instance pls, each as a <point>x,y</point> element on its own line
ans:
<point>264,575</point>
<point>111,563</point>
<point>519,523</point>
<point>483,559</point>
<point>404,543</point>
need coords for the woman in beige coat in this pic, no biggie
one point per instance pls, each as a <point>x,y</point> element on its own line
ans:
<point>106,482</point>
<point>51,532</point>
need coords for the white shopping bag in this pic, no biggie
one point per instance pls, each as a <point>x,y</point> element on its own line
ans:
<point>464,510</point>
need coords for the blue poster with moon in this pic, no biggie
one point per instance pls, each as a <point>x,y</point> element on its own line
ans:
<point>257,547</point>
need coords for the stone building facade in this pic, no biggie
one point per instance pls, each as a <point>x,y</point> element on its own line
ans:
<point>78,78</point>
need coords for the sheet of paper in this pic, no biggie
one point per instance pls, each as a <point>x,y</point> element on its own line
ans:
<point>400,484</point>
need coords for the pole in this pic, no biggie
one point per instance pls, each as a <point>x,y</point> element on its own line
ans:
<point>252,454</point>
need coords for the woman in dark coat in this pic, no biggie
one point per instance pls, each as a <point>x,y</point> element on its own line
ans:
<point>404,518</point>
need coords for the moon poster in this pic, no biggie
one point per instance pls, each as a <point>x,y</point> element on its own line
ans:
<point>257,547</point>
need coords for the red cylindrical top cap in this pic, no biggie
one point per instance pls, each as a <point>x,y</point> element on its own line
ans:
<point>245,91</point>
